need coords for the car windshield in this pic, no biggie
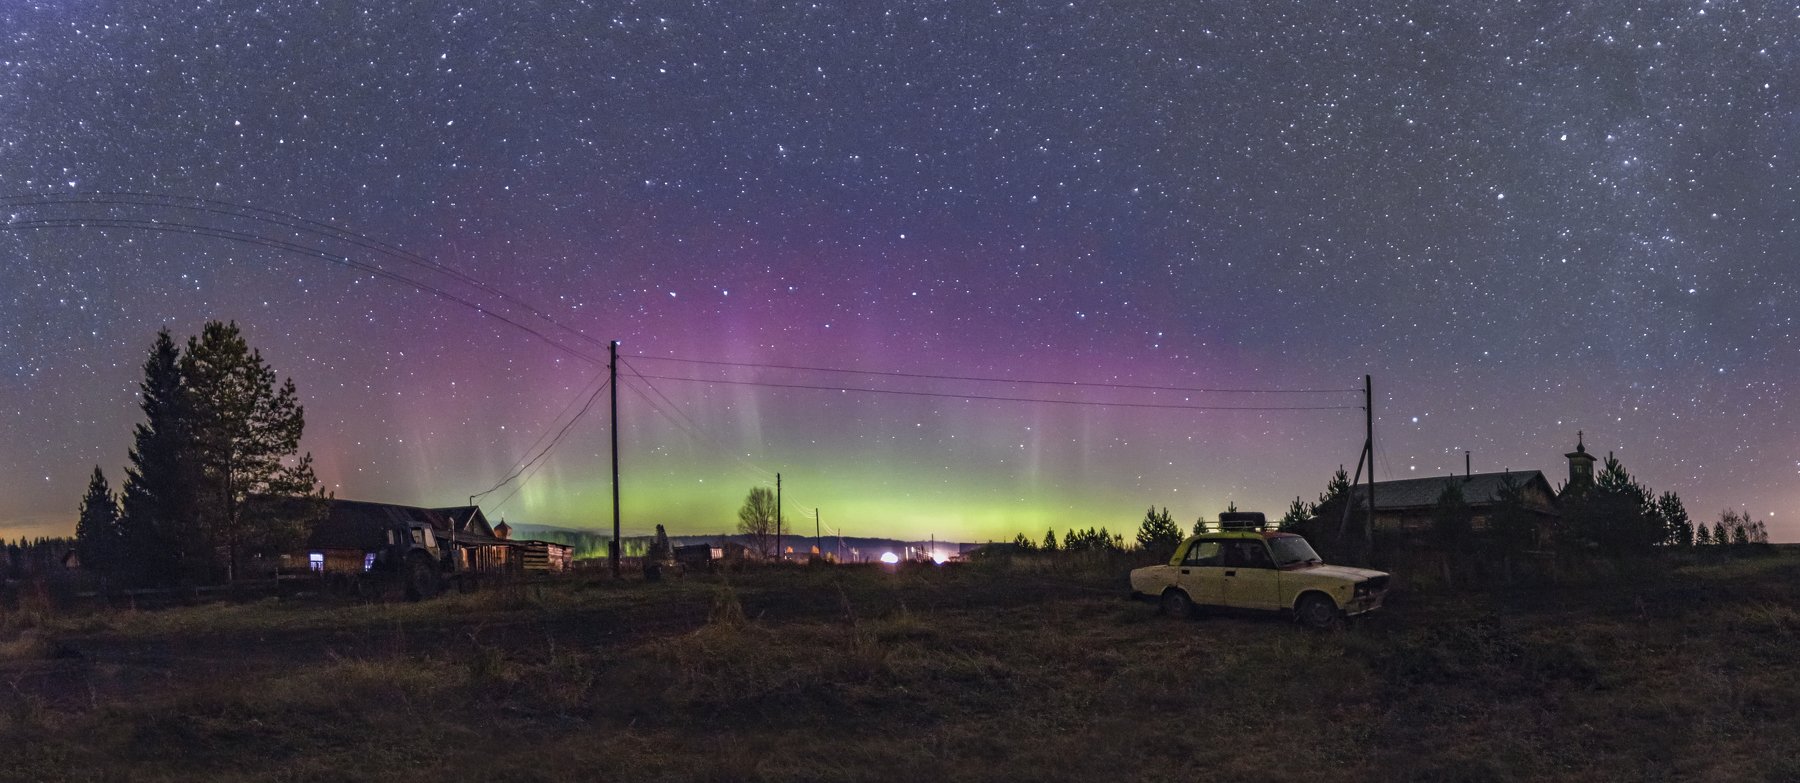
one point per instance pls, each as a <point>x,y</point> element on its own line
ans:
<point>1289,550</point>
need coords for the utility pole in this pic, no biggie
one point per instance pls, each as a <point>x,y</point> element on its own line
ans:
<point>1369,434</point>
<point>778,517</point>
<point>612,366</point>
<point>818,540</point>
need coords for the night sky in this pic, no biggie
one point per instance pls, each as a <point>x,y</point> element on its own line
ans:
<point>1521,219</point>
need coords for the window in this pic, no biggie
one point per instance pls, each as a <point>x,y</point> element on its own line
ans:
<point>316,562</point>
<point>1202,553</point>
<point>368,561</point>
<point>1247,554</point>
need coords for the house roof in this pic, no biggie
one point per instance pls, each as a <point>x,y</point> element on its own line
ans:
<point>468,519</point>
<point>358,524</point>
<point>1480,489</point>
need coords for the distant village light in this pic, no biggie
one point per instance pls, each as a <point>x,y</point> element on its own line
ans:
<point>890,558</point>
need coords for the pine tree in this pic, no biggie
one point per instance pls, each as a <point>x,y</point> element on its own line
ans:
<point>1049,540</point>
<point>1023,543</point>
<point>97,530</point>
<point>1297,514</point>
<point>1678,529</point>
<point>246,434</point>
<point>1337,487</point>
<point>157,507</point>
<point>1070,541</point>
<point>1617,514</point>
<point>1200,525</point>
<point>1514,526</point>
<point>1702,535</point>
<point>1451,520</point>
<point>1720,537</point>
<point>1158,534</point>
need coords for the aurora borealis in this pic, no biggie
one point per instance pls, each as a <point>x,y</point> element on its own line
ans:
<point>1520,220</point>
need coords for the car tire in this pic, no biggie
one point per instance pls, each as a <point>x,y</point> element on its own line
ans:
<point>1318,612</point>
<point>1175,603</point>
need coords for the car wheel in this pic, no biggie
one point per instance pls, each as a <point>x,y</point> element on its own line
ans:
<point>1318,612</point>
<point>1175,603</point>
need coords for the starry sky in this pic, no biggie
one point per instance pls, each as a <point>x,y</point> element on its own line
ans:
<point>1521,219</point>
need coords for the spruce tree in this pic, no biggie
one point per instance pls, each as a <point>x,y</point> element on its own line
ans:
<point>156,507</point>
<point>1200,525</point>
<point>1050,540</point>
<point>97,529</point>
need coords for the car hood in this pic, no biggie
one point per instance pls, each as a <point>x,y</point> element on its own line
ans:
<point>1340,572</point>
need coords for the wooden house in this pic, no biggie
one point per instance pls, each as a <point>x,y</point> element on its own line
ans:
<point>482,549</point>
<point>1408,505</point>
<point>544,556</point>
<point>347,539</point>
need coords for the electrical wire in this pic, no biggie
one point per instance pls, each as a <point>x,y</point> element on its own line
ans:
<point>112,199</point>
<point>551,445</point>
<point>277,244</point>
<point>522,463</point>
<point>1163,406</point>
<point>897,374</point>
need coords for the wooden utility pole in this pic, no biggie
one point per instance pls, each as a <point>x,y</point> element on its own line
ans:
<point>778,517</point>
<point>818,540</point>
<point>1369,435</point>
<point>612,367</point>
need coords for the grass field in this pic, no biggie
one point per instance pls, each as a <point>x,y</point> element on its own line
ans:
<point>1032,670</point>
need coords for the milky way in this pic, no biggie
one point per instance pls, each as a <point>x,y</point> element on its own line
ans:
<point>1520,220</point>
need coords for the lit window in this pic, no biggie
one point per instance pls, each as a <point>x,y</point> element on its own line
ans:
<point>368,561</point>
<point>316,561</point>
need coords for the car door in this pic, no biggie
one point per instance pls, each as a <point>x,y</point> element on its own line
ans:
<point>1249,579</point>
<point>1199,572</point>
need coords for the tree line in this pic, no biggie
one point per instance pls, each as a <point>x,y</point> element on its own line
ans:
<point>1613,514</point>
<point>214,476</point>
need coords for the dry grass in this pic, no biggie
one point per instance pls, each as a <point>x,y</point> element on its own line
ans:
<point>971,674</point>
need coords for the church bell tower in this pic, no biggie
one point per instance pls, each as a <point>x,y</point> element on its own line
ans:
<point>1581,464</point>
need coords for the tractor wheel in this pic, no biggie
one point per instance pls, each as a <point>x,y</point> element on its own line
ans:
<point>422,579</point>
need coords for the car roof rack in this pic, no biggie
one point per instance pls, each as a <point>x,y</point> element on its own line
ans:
<point>1243,521</point>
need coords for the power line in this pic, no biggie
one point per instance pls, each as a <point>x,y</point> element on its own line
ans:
<point>232,209</point>
<point>1163,406</point>
<point>897,374</point>
<point>277,244</point>
<point>522,463</point>
<point>546,451</point>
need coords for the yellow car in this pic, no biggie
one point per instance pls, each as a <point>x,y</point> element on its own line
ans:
<point>1259,570</point>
